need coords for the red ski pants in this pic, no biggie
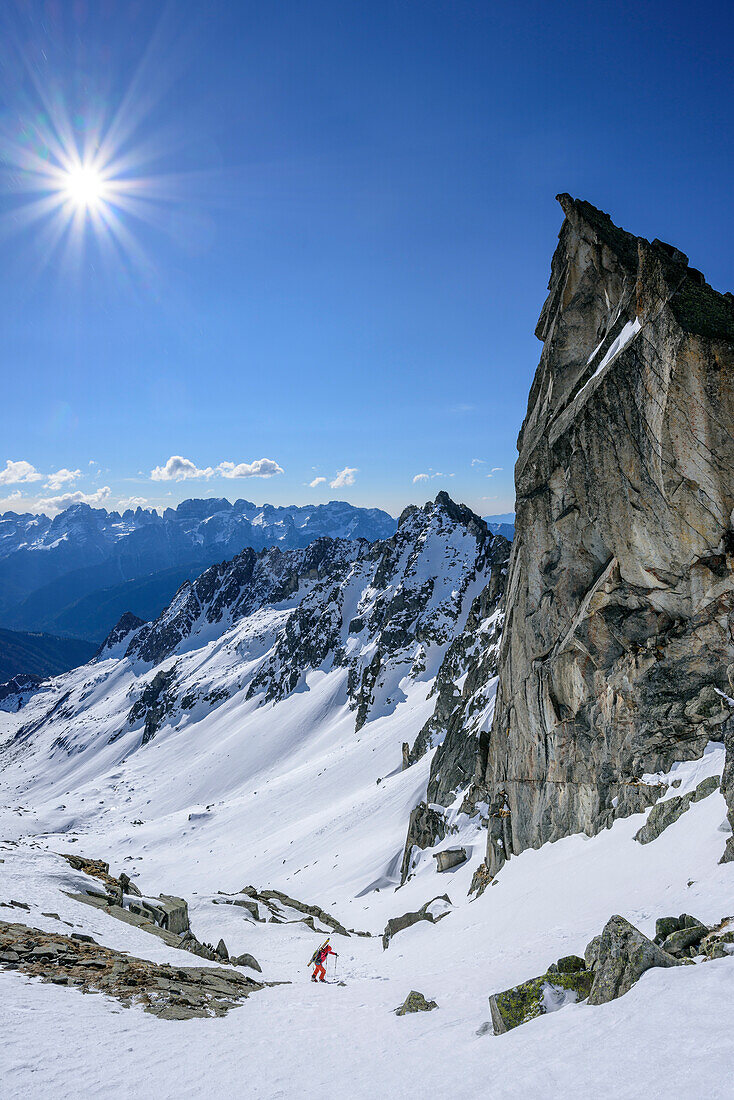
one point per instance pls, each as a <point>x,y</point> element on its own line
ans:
<point>319,973</point>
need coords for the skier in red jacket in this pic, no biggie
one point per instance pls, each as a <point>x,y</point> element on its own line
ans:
<point>320,958</point>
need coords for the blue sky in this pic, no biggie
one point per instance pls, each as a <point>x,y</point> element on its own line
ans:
<point>341,232</point>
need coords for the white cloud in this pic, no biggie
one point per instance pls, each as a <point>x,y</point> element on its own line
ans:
<point>183,469</point>
<point>344,477</point>
<point>496,469</point>
<point>61,477</point>
<point>427,477</point>
<point>131,502</point>
<point>179,469</point>
<point>93,462</point>
<point>9,504</point>
<point>317,481</point>
<point>17,472</point>
<point>52,505</point>
<point>261,467</point>
<point>479,462</point>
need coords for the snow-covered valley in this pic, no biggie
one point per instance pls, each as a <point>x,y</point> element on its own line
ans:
<point>282,788</point>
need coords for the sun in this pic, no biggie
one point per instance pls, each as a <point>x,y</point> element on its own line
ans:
<point>84,186</point>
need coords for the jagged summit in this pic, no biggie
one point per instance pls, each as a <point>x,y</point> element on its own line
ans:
<point>698,308</point>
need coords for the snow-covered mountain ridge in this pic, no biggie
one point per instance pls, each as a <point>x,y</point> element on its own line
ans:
<point>76,573</point>
<point>376,620</point>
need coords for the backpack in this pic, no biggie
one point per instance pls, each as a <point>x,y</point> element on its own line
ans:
<point>319,954</point>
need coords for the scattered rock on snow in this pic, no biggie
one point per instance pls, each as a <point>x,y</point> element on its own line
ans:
<point>415,1002</point>
<point>172,993</point>
<point>429,912</point>
<point>551,991</point>
<point>246,960</point>
<point>623,956</point>
<point>678,942</point>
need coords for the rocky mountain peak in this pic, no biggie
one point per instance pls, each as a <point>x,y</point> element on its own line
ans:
<point>620,580</point>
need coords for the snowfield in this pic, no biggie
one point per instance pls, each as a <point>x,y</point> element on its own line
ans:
<point>285,793</point>
<point>315,823</point>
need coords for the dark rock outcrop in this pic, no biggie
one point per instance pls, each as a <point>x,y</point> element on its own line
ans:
<point>620,597</point>
<point>426,827</point>
<point>622,956</point>
<point>126,625</point>
<point>727,785</point>
<point>399,924</point>
<point>665,813</point>
<point>172,993</point>
<point>155,702</point>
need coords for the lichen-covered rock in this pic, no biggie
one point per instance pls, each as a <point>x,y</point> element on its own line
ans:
<point>570,964</point>
<point>677,942</point>
<point>664,926</point>
<point>720,941</point>
<point>536,997</point>
<point>622,957</point>
<point>591,954</point>
<point>415,1002</point>
<point>620,594</point>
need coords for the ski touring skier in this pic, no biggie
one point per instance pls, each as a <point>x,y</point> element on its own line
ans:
<point>318,961</point>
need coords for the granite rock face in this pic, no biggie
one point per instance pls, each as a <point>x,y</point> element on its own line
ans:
<point>619,626</point>
<point>622,956</point>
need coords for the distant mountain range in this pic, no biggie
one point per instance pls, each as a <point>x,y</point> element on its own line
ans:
<point>76,573</point>
<point>40,654</point>
<point>503,524</point>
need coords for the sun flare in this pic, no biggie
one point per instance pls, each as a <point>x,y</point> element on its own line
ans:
<point>84,187</point>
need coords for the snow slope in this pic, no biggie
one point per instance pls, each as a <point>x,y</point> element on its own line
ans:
<point>277,787</point>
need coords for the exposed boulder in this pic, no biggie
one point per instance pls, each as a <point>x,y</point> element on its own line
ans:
<point>720,941</point>
<point>433,911</point>
<point>480,880</point>
<point>551,991</point>
<point>623,955</point>
<point>415,1002</point>
<point>168,912</point>
<point>449,858</point>
<point>664,926</point>
<point>246,960</point>
<point>677,943</point>
<point>570,964</point>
